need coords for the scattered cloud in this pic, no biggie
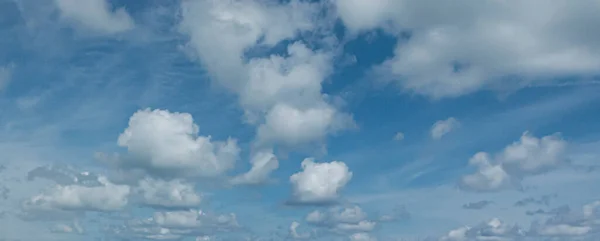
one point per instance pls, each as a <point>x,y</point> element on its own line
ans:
<point>528,156</point>
<point>128,121</point>
<point>319,183</point>
<point>443,127</point>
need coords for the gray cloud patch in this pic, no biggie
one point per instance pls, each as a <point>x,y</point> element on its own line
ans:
<point>543,200</point>
<point>477,205</point>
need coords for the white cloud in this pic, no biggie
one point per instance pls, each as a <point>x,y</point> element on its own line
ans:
<point>280,94</point>
<point>342,220</point>
<point>319,182</point>
<point>169,194</point>
<point>166,143</point>
<point>461,47</point>
<point>442,127</point>
<point>106,197</point>
<point>263,163</point>
<point>528,156</point>
<point>532,155</point>
<point>489,177</point>
<point>291,126</point>
<point>95,15</point>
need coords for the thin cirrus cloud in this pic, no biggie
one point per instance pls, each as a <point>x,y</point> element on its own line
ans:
<point>196,120</point>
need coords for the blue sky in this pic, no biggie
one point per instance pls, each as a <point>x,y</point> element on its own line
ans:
<point>299,120</point>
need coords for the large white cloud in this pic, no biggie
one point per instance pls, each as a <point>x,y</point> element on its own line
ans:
<point>281,94</point>
<point>166,143</point>
<point>528,156</point>
<point>319,182</point>
<point>464,46</point>
<point>95,15</point>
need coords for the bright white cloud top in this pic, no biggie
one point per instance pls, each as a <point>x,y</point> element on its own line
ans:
<point>299,120</point>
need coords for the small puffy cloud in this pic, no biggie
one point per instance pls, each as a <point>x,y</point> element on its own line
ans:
<point>488,177</point>
<point>293,126</point>
<point>399,136</point>
<point>167,144</point>
<point>95,15</point>
<point>528,156</point>
<point>263,163</point>
<point>168,194</point>
<point>442,127</point>
<point>531,155</point>
<point>104,197</point>
<point>319,183</point>
<point>477,205</point>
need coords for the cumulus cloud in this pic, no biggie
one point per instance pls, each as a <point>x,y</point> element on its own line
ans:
<point>104,197</point>
<point>167,144</point>
<point>477,45</point>
<point>442,127</point>
<point>168,194</point>
<point>319,183</point>
<point>489,177</point>
<point>281,94</point>
<point>95,15</point>
<point>343,221</point>
<point>528,156</point>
